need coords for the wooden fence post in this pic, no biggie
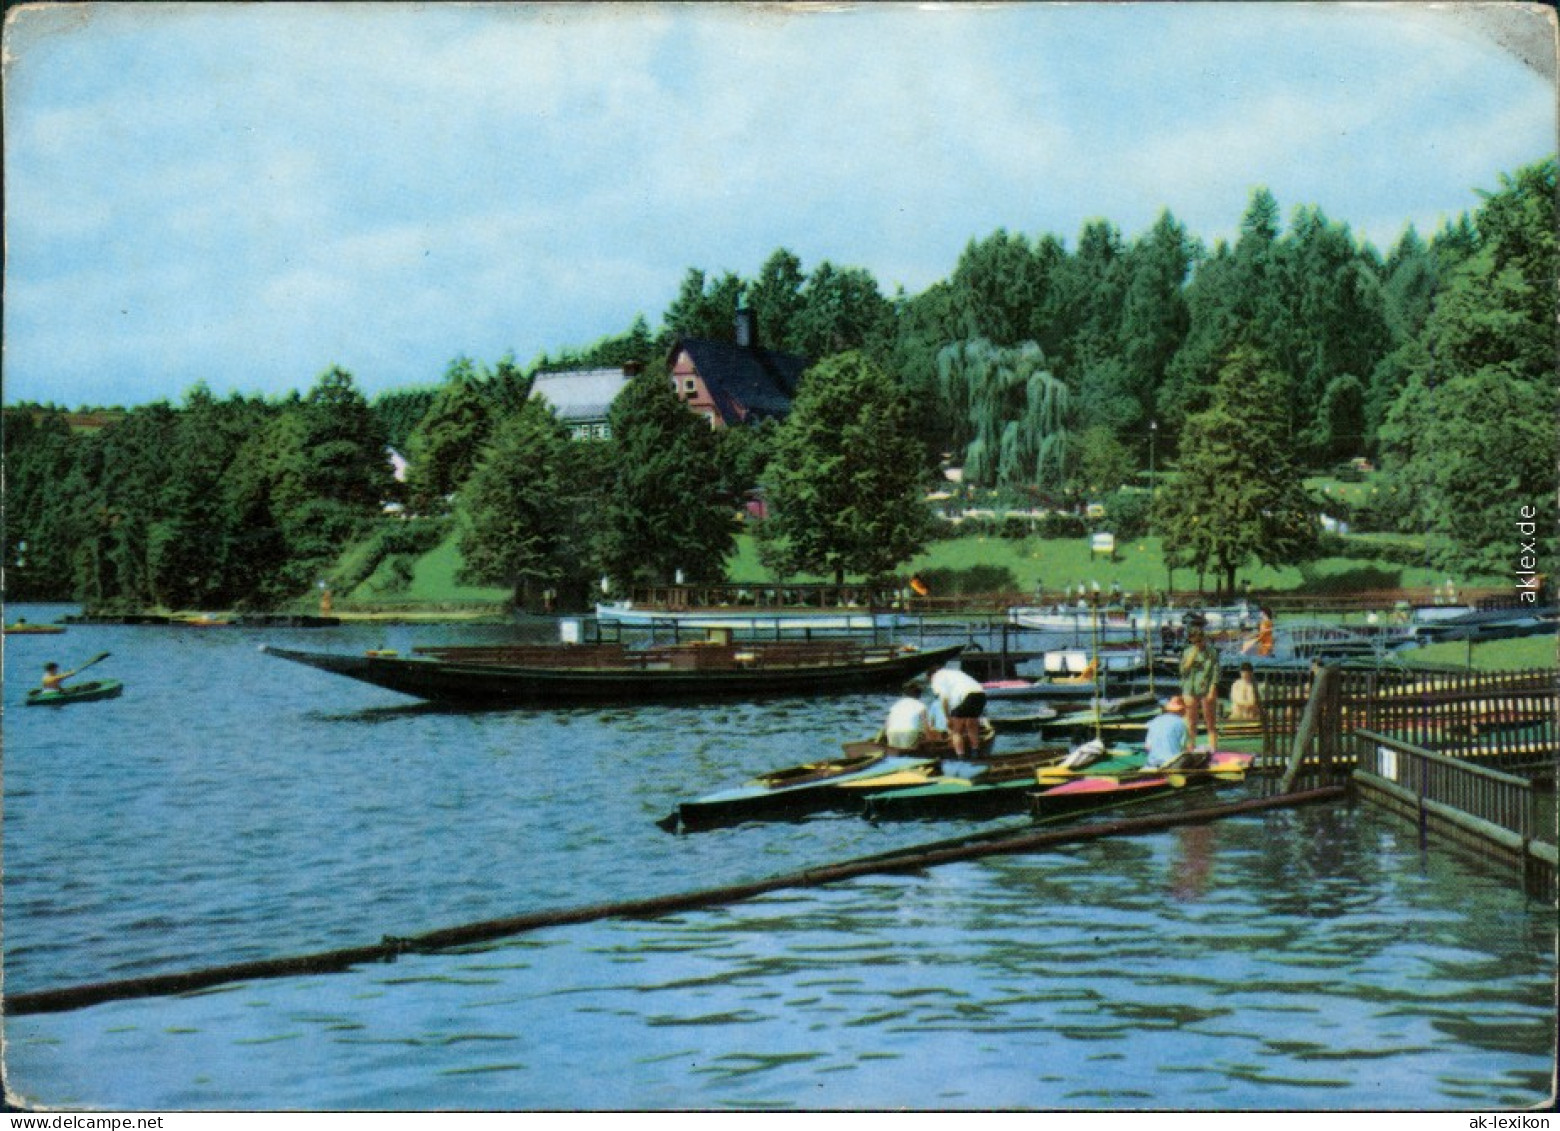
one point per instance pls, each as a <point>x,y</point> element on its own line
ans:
<point>1316,708</point>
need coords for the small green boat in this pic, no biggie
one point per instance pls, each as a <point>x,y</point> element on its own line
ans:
<point>1003,786</point>
<point>80,693</point>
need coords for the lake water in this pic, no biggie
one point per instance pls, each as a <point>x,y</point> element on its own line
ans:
<point>232,807</point>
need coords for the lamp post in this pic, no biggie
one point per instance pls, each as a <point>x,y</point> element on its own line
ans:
<point>1153,435</point>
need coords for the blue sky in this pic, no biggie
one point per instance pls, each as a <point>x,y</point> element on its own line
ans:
<point>248,194</point>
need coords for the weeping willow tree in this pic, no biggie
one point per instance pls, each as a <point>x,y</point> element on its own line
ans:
<point>1017,413</point>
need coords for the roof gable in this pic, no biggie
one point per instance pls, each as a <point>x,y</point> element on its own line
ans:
<point>744,382</point>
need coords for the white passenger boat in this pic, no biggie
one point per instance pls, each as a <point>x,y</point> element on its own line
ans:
<point>755,619</point>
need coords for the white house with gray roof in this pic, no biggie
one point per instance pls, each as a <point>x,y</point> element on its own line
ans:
<point>583,397</point>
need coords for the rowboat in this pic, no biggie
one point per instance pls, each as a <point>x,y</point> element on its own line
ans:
<point>1103,786</point>
<point>1122,718</point>
<point>566,674</point>
<point>1002,786</point>
<point>22,628</point>
<point>80,693</point>
<point>934,744</point>
<point>1018,722</point>
<point>798,790</point>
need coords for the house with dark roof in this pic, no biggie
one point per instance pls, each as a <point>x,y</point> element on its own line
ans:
<point>733,383</point>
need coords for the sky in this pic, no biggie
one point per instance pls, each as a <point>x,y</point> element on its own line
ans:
<point>246,195</point>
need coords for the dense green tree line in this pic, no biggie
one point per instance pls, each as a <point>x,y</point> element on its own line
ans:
<point>1043,370</point>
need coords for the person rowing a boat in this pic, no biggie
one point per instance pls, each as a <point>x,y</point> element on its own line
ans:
<point>54,679</point>
<point>963,702</point>
<point>1167,738</point>
<point>908,719</point>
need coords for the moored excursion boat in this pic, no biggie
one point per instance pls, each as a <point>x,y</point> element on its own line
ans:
<point>79,693</point>
<point>568,674</point>
<point>749,619</point>
<point>1118,623</point>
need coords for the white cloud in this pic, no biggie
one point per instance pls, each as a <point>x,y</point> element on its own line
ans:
<point>261,190</point>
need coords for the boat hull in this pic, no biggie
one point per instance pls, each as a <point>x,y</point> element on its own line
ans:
<point>82,693</point>
<point>1003,787</point>
<point>452,680</point>
<point>825,786</point>
<point>1123,781</point>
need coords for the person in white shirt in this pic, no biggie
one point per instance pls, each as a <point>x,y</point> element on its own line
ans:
<point>908,719</point>
<point>963,702</point>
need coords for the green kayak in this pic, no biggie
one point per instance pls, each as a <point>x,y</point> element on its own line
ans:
<point>80,693</point>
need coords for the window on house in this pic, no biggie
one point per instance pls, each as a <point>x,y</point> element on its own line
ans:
<point>690,385</point>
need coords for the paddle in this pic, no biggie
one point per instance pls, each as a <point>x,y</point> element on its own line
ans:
<point>99,658</point>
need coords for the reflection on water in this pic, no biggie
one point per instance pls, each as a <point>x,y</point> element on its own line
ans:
<point>1308,959</point>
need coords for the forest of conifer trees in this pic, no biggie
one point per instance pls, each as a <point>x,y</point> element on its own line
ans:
<point>1052,373</point>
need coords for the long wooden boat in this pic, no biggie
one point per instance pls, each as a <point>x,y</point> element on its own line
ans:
<point>79,693</point>
<point>22,628</point>
<point>563,674</point>
<point>798,790</point>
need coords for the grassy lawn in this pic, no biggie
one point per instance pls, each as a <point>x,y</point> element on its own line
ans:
<point>969,565</point>
<point>978,564</point>
<point>433,582</point>
<point>1492,655</point>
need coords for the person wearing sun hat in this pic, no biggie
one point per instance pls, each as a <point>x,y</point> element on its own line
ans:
<point>1168,736</point>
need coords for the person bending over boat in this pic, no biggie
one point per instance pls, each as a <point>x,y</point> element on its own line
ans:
<point>1168,738</point>
<point>908,719</point>
<point>1245,704</point>
<point>1200,684</point>
<point>963,702</point>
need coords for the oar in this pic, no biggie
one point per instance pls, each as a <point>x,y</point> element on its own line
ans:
<point>99,658</point>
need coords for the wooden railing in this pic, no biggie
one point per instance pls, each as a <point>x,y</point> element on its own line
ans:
<point>1505,801</point>
<point>897,593</point>
<point>1500,718</point>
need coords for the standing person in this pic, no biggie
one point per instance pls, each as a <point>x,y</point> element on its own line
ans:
<point>1245,703</point>
<point>963,702</point>
<point>1167,737</point>
<point>908,719</point>
<point>1200,685</point>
